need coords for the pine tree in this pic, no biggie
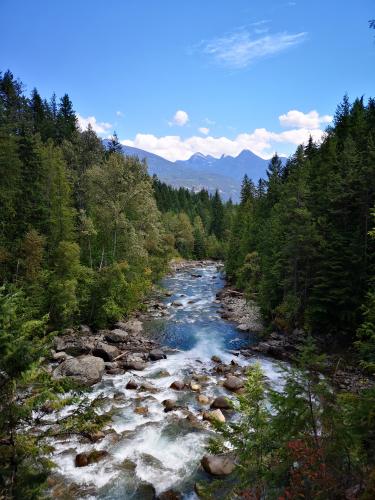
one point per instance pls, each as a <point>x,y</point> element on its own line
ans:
<point>217,217</point>
<point>66,120</point>
<point>114,145</point>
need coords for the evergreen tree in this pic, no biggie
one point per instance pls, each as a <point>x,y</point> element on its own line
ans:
<point>217,221</point>
<point>66,120</point>
<point>114,145</point>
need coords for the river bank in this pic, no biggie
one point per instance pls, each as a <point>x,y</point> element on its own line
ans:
<point>344,375</point>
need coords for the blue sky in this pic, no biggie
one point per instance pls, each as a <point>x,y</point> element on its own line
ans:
<point>215,76</point>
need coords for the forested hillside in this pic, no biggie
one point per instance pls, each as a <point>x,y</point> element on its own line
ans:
<point>82,233</point>
<point>301,243</point>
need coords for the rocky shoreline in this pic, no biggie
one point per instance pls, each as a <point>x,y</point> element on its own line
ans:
<point>85,356</point>
<point>284,347</point>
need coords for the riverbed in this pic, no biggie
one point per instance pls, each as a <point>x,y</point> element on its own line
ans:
<point>150,450</point>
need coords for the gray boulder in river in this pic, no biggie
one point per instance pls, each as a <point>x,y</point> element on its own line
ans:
<point>218,465</point>
<point>86,370</point>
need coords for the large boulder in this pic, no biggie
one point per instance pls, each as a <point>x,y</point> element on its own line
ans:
<point>106,351</point>
<point>86,370</point>
<point>73,345</point>
<point>221,402</point>
<point>233,383</point>
<point>218,465</point>
<point>134,364</point>
<point>116,336</point>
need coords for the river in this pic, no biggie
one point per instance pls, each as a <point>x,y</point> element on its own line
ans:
<point>162,449</point>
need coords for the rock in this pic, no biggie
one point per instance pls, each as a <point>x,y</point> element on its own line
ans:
<point>216,359</point>
<point>214,416</point>
<point>169,495</point>
<point>115,371</point>
<point>168,293</point>
<point>194,386</point>
<point>86,370</point>
<point>170,405</point>
<point>83,459</point>
<point>134,326</point>
<point>128,465</point>
<point>60,356</point>
<point>221,402</point>
<point>233,383</point>
<point>177,385</point>
<point>243,327</point>
<point>85,330</point>
<point>177,303</point>
<point>47,408</point>
<point>95,436</point>
<point>116,336</point>
<point>141,410</point>
<point>73,345</point>
<point>223,368</point>
<point>147,387</point>
<point>202,399</point>
<point>106,352</point>
<point>134,365</point>
<point>162,374</point>
<point>218,465</point>
<point>157,354</point>
<point>121,325</point>
<point>131,385</point>
<point>146,491</point>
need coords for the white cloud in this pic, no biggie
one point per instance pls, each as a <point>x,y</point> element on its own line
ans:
<point>239,49</point>
<point>261,141</point>
<point>98,127</point>
<point>204,130</point>
<point>119,113</point>
<point>180,118</point>
<point>295,118</point>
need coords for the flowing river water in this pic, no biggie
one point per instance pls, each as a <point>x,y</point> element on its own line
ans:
<point>162,449</point>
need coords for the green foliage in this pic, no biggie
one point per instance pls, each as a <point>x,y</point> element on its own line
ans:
<point>22,344</point>
<point>303,442</point>
<point>308,225</point>
<point>197,223</point>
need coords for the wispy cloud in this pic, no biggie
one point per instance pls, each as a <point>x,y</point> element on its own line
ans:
<point>240,49</point>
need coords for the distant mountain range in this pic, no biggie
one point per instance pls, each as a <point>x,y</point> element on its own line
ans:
<point>201,171</point>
